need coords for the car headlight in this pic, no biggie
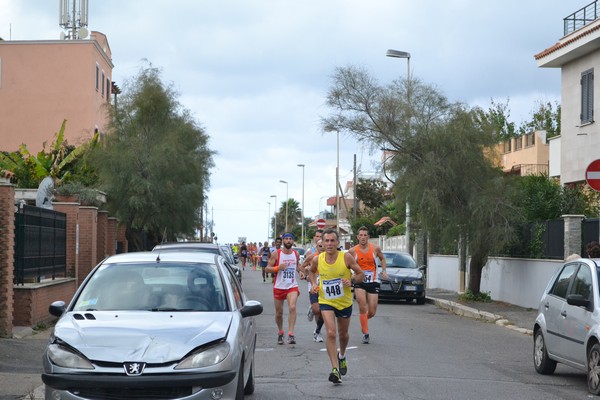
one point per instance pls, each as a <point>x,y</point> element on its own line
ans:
<point>65,357</point>
<point>205,357</point>
<point>417,282</point>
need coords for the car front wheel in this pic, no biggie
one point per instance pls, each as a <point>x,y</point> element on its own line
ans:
<point>593,369</point>
<point>543,364</point>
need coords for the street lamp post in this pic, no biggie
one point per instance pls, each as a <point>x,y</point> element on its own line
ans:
<point>287,200</point>
<point>268,219</point>
<point>337,184</point>
<point>404,54</point>
<point>302,165</point>
<point>275,221</point>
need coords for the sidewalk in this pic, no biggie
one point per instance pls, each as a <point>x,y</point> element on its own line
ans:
<point>513,317</point>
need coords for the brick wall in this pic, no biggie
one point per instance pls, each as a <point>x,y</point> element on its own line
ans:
<point>111,236</point>
<point>72,212</point>
<point>88,231</point>
<point>7,254</point>
<point>101,248</point>
<point>33,300</point>
<point>122,238</point>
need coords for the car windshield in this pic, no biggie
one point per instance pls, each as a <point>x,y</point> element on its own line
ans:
<point>214,250</point>
<point>398,260</point>
<point>300,250</point>
<point>154,287</point>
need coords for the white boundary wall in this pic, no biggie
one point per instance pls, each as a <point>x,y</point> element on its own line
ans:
<point>513,280</point>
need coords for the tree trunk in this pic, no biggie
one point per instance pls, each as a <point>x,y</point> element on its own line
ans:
<point>478,261</point>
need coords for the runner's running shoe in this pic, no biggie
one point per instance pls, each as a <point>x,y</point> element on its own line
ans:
<point>317,337</point>
<point>291,339</point>
<point>365,338</point>
<point>280,339</point>
<point>335,377</point>
<point>309,314</point>
<point>343,365</point>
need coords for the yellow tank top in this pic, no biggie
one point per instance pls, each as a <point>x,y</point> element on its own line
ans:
<point>331,290</point>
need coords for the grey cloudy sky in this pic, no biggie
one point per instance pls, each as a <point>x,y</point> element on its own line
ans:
<point>255,75</point>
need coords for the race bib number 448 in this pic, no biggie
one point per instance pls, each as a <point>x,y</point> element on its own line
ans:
<point>333,288</point>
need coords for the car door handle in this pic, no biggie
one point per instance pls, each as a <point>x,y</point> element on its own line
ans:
<point>564,314</point>
<point>547,306</point>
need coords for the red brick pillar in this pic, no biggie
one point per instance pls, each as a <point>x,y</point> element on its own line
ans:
<point>88,229</point>
<point>7,257</point>
<point>111,236</point>
<point>101,250</point>
<point>72,212</point>
<point>122,238</point>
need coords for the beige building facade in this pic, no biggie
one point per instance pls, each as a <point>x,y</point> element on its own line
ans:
<point>44,82</point>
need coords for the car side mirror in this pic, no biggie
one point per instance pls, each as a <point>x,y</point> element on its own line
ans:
<point>423,268</point>
<point>251,308</point>
<point>578,300</point>
<point>57,308</point>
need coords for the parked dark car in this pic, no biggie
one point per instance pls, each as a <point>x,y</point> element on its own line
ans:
<point>406,280</point>
<point>566,328</point>
<point>228,254</point>
<point>199,246</point>
<point>148,325</point>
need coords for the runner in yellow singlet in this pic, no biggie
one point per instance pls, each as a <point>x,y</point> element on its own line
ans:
<point>335,269</point>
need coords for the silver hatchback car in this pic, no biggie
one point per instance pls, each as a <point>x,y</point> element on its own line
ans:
<point>566,329</point>
<point>173,325</point>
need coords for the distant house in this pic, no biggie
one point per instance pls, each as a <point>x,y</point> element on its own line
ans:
<point>524,155</point>
<point>577,54</point>
<point>43,82</point>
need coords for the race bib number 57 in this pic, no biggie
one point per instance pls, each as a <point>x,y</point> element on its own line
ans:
<point>333,288</point>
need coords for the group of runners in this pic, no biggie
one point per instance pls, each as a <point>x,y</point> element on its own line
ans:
<point>331,274</point>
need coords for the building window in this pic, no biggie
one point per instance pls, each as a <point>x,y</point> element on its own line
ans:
<point>518,143</point>
<point>507,147</point>
<point>107,89</point>
<point>529,139</point>
<point>102,83</point>
<point>587,96</point>
<point>0,73</point>
<point>97,76</point>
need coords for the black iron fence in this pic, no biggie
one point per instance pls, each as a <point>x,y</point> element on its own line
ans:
<point>581,18</point>
<point>40,244</point>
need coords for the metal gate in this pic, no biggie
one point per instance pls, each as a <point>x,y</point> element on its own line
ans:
<point>40,244</point>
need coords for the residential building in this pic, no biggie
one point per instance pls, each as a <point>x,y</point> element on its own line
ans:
<point>525,155</point>
<point>43,82</point>
<point>577,54</point>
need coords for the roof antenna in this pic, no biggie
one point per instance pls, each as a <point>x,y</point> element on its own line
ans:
<point>164,238</point>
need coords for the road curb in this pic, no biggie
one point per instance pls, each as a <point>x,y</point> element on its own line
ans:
<point>473,313</point>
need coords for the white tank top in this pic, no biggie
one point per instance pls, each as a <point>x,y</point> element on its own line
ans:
<point>286,277</point>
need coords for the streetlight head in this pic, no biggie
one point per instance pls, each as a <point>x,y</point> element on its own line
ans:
<point>273,195</point>
<point>282,181</point>
<point>301,165</point>
<point>397,54</point>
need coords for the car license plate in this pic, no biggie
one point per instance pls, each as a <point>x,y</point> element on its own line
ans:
<point>411,288</point>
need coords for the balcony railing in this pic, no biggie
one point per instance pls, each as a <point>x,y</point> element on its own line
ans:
<point>581,18</point>
<point>529,169</point>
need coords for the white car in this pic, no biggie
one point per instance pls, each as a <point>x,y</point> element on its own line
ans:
<point>154,325</point>
<point>566,329</point>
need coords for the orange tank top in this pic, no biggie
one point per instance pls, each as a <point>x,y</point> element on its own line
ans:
<point>366,261</point>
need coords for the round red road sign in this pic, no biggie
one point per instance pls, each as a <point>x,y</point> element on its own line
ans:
<point>592,175</point>
<point>321,223</point>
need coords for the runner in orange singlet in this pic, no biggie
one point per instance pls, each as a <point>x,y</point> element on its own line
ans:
<point>367,292</point>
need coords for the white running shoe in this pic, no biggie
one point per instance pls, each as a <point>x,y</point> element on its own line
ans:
<point>317,337</point>
<point>309,314</point>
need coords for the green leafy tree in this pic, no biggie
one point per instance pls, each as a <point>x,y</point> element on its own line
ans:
<point>155,162</point>
<point>372,192</point>
<point>294,216</point>
<point>439,162</point>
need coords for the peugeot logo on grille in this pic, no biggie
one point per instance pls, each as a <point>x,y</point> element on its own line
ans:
<point>134,368</point>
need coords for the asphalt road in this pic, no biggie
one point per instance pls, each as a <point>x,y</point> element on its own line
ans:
<point>416,352</point>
